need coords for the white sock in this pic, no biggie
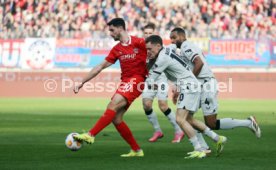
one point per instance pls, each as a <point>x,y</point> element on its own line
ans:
<point>201,140</point>
<point>229,123</point>
<point>194,141</point>
<point>154,121</point>
<point>171,118</point>
<point>211,134</point>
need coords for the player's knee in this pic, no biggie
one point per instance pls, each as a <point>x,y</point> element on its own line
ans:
<point>117,120</point>
<point>115,106</point>
<point>112,106</point>
<point>179,120</point>
<point>212,124</point>
<point>147,106</point>
<point>190,120</point>
<point>163,106</point>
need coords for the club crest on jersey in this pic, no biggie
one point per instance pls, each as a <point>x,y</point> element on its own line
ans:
<point>188,52</point>
<point>135,50</point>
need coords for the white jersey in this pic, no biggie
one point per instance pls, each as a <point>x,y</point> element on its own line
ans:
<point>208,96</point>
<point>163,78</point>
<point>172,65</point>
<point>189,52</point>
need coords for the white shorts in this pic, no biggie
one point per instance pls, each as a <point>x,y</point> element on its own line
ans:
<point>161,90</point>
<point>189,96</point>
<point>208,96</point>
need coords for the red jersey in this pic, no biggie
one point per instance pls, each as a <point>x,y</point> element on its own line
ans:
<point>132,57</point>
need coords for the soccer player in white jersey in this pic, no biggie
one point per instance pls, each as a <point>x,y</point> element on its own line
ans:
<point>191,54</point>
<point>160,91</point>
<point>177,71</point>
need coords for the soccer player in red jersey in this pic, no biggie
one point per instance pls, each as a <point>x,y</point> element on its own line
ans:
<point>132,54</point>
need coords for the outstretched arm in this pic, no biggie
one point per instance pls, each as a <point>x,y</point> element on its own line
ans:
<point>93,73</point>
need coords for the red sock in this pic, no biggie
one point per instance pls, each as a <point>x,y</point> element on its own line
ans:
<point>104,121</point>
<point>127,135</point>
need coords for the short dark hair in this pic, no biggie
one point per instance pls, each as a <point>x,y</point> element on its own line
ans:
<point>154,39</point>
<point>117,22</point>
<point>149,26</point>
<point>179,30</point>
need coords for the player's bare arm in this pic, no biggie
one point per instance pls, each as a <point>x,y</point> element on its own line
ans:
<point>198,64</point>
<point>93,73</point>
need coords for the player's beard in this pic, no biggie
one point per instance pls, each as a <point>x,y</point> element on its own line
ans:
<point>178,44</point>
<point>116,38</point>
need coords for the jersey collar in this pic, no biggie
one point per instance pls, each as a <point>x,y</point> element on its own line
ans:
<point>159,51</point>
<point>128,43</point>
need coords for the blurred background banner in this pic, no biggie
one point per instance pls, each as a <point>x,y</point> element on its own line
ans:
<point>48,53</point>
<point>71,53</point>
<point>202,43</point>
<point>99,49</point>
<point>273,53</point>
<point>10,53</point>
<point>239,53</point>
<point>38,53</point>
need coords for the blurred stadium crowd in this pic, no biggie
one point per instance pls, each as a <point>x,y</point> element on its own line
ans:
<point>224,19</point>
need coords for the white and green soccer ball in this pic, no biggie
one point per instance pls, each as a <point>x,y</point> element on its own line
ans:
<point>71,143</point>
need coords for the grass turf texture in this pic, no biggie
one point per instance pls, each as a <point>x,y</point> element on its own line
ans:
<point>33,133</point>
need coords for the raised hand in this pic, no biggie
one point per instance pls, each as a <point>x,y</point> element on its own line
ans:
<point>77,88</point>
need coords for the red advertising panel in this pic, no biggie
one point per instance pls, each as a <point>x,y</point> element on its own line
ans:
<point>232,50</point>
<point>240,53</point>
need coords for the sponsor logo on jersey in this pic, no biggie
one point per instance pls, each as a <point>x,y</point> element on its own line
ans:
<point>128,57</point>
<point>188,52</point>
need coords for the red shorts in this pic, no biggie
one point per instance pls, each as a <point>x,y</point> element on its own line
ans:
<point>131,88</point>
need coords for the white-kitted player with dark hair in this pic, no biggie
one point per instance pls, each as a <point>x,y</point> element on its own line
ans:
<point>160,91</point>
<point>193,55</point>
<point>167,61</point>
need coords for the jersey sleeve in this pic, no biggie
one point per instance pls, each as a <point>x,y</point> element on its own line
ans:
<point>189,52</point>
<point>141,43</point>
<point>172,47</point>
<point>112,57</point>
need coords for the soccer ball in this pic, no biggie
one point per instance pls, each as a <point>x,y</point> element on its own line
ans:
<point>71,143</point>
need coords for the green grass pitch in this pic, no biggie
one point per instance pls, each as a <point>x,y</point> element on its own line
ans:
<point>33,132</point>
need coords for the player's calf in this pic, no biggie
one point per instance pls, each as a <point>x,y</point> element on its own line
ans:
<point>212,122</point>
